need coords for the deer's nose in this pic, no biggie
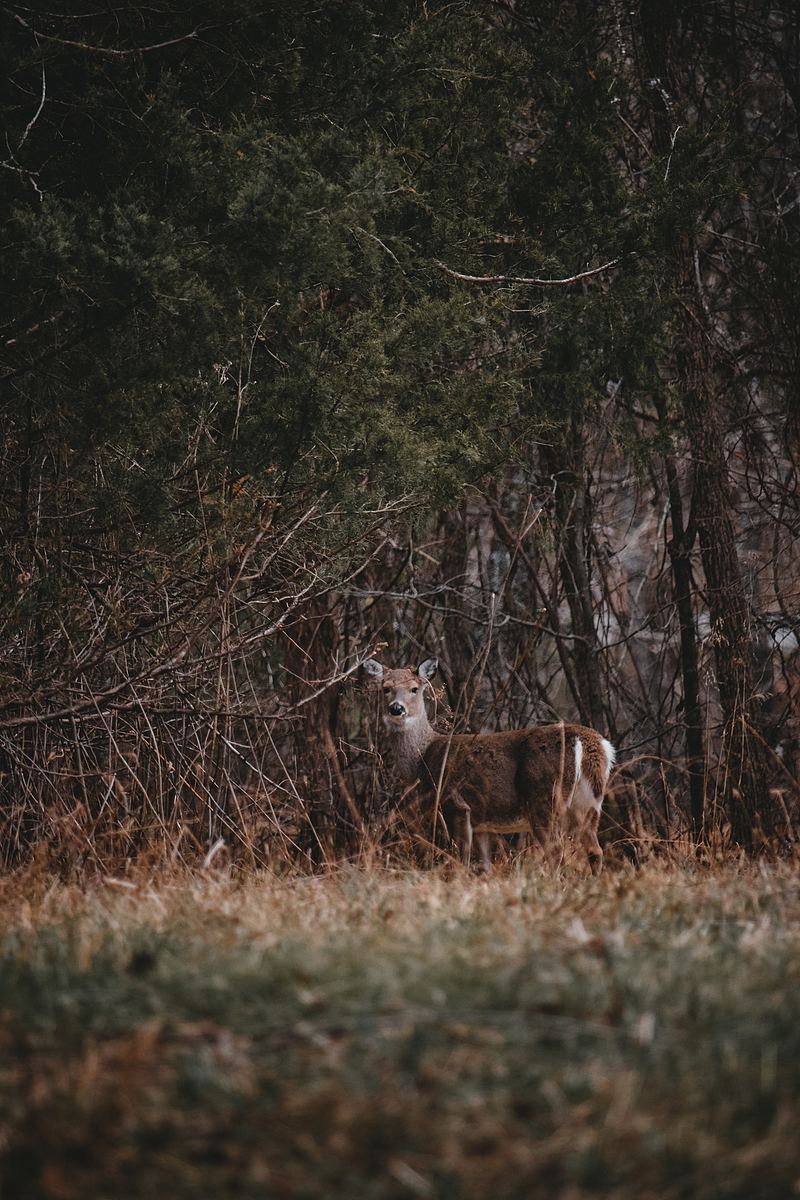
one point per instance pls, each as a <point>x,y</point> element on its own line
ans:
<point>396,709</point>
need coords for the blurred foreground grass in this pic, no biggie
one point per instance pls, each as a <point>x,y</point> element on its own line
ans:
<point>371,1035</point>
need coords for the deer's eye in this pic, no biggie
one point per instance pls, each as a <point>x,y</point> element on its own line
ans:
<point>386,691</point>
<point>414,691</point>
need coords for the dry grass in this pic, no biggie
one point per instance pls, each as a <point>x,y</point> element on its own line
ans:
<point>376,1034</point>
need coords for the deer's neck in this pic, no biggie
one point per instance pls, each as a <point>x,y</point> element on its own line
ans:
<point>409,744</point>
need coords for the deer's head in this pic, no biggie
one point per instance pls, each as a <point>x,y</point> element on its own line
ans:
<point>403,690</point>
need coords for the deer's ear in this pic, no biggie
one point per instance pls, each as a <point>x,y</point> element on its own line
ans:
<point>428,669</point>
<point>373,669</point>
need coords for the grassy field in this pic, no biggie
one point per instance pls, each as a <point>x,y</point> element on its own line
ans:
<point>371,1035</point>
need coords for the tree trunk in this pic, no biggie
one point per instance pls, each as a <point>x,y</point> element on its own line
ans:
<point>744,755</point>
<point>566,466</point>
<point>679,548</point>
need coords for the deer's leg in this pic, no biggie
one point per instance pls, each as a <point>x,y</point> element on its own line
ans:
<point>584,834</point>
<point>584,817</point>
<point>591,842</point>
<point>462,828</point>
<point>551,832</point>
<point>546,834</point>
<point>484,848</point>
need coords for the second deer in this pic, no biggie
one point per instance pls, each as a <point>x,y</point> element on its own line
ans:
<point>520,780</point>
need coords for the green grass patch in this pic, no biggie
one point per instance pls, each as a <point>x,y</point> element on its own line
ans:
<point>380,1035</point>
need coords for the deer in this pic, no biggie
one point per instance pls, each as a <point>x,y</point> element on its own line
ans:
<point>518,780</point>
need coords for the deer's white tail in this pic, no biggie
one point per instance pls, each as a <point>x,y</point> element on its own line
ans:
<point>594,759</point>
<point>611,757</point>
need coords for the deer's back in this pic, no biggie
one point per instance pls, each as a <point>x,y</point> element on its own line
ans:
<point>506,777</point>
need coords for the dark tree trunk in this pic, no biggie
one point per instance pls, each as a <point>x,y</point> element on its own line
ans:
<point>680,550</point>
<point>744,756</point>
<point>744,761</point>
<point>565,464</point>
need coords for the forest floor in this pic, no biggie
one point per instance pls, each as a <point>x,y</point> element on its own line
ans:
<point>372,1034</point>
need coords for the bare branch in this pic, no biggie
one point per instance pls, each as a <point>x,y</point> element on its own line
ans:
<point>570,279</point>
<point>36,115</point>
<point>112,53</point>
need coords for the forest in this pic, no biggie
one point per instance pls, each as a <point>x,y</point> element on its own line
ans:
<point>468,329</point>
<point>392,330</point>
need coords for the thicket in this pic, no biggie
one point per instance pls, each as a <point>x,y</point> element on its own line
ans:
<point>329,330</point>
